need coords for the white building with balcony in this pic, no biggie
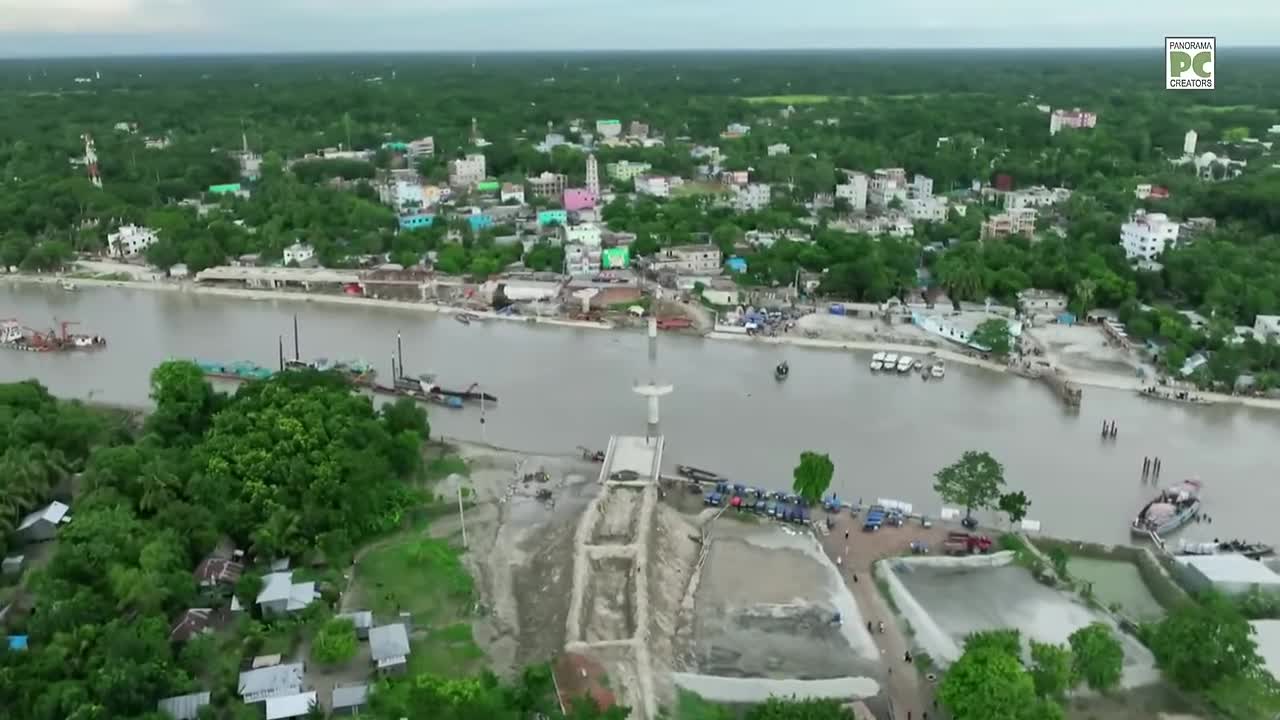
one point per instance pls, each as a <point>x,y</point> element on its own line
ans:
<point>751,197</point>
<point>653,186</point>
<point>927,209</point>
<point>854,191</point>
<point>626,170</point>
<point>1146,235</point>
<point>467,171</point>
<point>1038,196</point>
<point>585,234</point>
<point>130,241</point>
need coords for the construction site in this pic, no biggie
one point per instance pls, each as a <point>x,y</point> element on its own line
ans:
<point>640,589</point>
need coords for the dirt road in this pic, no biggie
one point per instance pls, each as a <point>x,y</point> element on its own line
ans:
<point>856,556</point>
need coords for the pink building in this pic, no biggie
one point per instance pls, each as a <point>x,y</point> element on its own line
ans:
<point>579,199</point>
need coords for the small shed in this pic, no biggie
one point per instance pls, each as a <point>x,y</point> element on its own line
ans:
<point>290,706</point>
<point>43,523</point>
<point>184,707</point>
<point>350,700</point>
<point>389,647</point>
<point>362,620</point>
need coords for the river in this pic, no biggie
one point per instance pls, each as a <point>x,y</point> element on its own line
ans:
<point>561,387</point>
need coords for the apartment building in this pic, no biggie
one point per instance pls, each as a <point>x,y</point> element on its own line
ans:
<point>1038,196</point>
<point>625,170</point>
<point>926,209</point>
<point>608,129</point>
<point>885,186</point>
<point>778,149</point>
<point>921,187</point>
<point>854,191</point>
<point>130,240</point>
<point>422,147</point>
<point>584,234</point>
<point>752,197</point>
<point>579,260</point>
<point>653,185</point>
<point>511,192</point>
<point>1074,119</point>
<point>1146,235</point>
<point>467,171</point>
<point>548,185</point>
<point>688,259</point>
<point>1020,221</point>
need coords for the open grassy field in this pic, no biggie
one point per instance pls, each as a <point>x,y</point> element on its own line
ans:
<point>791,99</point>
<point>420,575</point>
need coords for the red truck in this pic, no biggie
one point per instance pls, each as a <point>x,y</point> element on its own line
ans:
<point>962,543</point>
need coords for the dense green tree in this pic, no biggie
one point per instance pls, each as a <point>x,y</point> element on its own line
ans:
<point>987,684</point>
<point>1052,669</point>
<point>993,334</point>
<point>1015,505</point>
<point>1201,644</point>
<point>974,481</point>
<point>1098,657</point>
<point>335,643</point>
<point>812,476</point>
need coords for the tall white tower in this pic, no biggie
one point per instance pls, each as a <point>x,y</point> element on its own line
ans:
<point>1189,143</point>
<point>91,161</point>
<point>593,176</point>
<point>654,393</point>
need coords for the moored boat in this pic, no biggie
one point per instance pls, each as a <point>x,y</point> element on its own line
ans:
<point>1253,551</point>
<point>698,474</point>
<point>904,363</point>
<point>239,370</point>
<point>938,369</point>
<point>357,371</point>
<point>782,371</point>
<point>890,361</point>
<point>877,361</point>
<point>15,336</point>
<point>1171,509</point>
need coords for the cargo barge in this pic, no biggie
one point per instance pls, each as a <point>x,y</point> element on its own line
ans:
<point>15,336</point>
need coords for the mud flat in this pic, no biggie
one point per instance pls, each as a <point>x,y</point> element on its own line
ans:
<point>619,515</point>
<point>945,599</point>
<point>765,605</point>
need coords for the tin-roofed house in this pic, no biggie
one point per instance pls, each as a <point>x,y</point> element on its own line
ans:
<point>350,700</point>
<point>290,706</point>
<point>281,595</point>
<point>362,620</point>
<point>270,682</point>
<point>184,707</point>
<point>389,647</point>
<point>43,523</point>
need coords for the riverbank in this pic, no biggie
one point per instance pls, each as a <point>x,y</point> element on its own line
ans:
<point>1098,378</point>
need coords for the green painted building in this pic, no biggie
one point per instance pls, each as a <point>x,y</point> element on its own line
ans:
<point>227,189</point>
<point>489,186</point>
<point>615,258</point>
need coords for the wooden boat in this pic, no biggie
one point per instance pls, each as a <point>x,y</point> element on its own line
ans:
<point>938,370</point>
<point>782,371</point>
<point>698,474</point>
<point>1179,396</point>
<point>1170,510</point>
<point>877,361</point>
<point>904,363</point>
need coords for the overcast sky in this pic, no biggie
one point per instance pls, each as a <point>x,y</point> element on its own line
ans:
<point>91,27</point>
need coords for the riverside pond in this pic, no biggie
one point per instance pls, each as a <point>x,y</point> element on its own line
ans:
<point>560,388</point>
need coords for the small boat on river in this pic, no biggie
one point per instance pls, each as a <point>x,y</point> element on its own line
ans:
<point>890,361</point>
<point>938,369</point>
<point>14,336</point>
<point>357,371</point>
<point>1170,510</point>
<point>698,474</point>
<point>904,363</point>
<point>877,361</point>
<point>782,371</point>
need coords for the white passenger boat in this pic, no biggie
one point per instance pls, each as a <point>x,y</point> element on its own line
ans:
<point>938,369</point>
<point>890,361</point>
<point>877,361</point>
<point>904,363</point>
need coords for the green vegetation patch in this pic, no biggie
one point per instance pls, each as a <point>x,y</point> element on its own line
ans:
<point>446,465</point>
<point>423,576</point>
<point>450,651</point>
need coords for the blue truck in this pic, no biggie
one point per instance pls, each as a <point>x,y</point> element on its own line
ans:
<point>874,518</point>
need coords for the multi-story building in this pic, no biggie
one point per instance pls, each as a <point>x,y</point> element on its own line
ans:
<point>653,185</point>
<point>1038,196</point>
<point>584,234</point>
<point>1146,235</point>
<point>422,147</point>
<point>548,184</point>
<point>1020,221</point>
<point>130,240</point>
<point>625,170</point>
<point>638,129</point>
<point>1074,119</point>
<point>736,130</point>
<point>778,149</point>
<point>577,199</point>
<point>298,253</point>
<point>751,197</point>
<point>885,186</point>
<point>467,171</point>
<point>706,152</point>
<point>688,259</point>
<point>921,187</point>
<point>579,260</point>
<point>1144,191</point>
<point>593,175</point>
<point>854,191</point>
<point>735,177</point>
<point>608,129</point>
<point>927,209</point>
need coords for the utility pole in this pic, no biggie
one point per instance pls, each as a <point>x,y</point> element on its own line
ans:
<point>462,518</point>
<point>484,435</point>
